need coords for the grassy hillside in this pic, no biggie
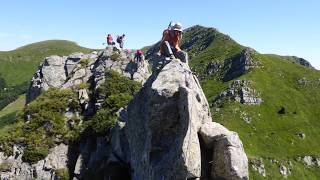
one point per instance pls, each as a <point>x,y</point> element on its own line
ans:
<point>9,113</point>
<point>270,135</point>
<point>18,66</point>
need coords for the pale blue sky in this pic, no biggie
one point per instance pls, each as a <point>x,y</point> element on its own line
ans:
<point>285,27</point>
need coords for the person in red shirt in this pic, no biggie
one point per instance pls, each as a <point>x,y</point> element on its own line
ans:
<point>110,40</point>
<point>139,57</point>
<point>169,45</point>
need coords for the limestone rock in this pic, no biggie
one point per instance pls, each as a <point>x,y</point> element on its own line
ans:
<point>158,132</point>
<point>284,171</point>
<point>44,169</point>
<point>241,92</point>
<point>240,64</point>
<point>258,165</point>
<point>77,68</point>
<point>229,159</point>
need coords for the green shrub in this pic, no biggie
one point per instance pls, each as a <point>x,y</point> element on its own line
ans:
<point>47,120</point>
<point>115,84</point>
<point>62,174</point>
<point>102,121</point>
<point>118,91</point>
<point>116,101</point>
<point>84,62</point>
<point>34,154</point>
<point>115,56</point>
<point>83,86</point>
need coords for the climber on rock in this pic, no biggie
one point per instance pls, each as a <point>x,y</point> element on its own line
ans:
<point>169,45</point>
<point>139,57</point>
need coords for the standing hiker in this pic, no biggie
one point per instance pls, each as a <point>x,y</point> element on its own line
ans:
<point>169,45</point>
<point>120,40</point>
<point>110,40</point>
<point>138,58</point>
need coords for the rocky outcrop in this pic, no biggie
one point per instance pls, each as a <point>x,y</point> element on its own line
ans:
<point>284,171</point>
<point>167,132</point>
<point>77,69</point>
<point>83,73</point>
<point>44,169</point>
<point>241,92</point>
<point>310,161</point>
<point>300,61</point>
<point>258,165</point>
<point>233,67</point>
<point>240,64</point>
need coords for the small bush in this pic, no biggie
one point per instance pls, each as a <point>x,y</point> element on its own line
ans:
<point>116,101</point>
<point>83,86</point>
<point>34,154</point>
<point>84,62</point>
<point>115,56</point>
<point>102,121</point>
<point>62,174</point>
<point>115,84</point>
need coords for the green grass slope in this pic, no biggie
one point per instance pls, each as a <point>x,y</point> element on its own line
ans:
<point>270,135</point>
<point>18,66</point>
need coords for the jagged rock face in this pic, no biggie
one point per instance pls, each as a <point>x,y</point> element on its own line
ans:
<point>239,64</point>
<point>240,91</point>
<point>44,169</point>
<point>234,67</point>
<point>71,71</point>
<point>161,132</point>
<point>300,61</point>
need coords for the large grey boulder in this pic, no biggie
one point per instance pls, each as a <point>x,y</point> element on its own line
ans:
<point>160,133</point>
<point>51,73</point>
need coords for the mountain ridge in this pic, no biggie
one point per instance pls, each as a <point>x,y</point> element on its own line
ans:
<point>280,133</point>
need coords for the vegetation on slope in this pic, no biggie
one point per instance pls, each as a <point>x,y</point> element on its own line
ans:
<point>117,92</point>
<point>42,123</point>
<point>270,134</point>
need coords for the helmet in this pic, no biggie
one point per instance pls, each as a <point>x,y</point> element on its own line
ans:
<point>177,27</point>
